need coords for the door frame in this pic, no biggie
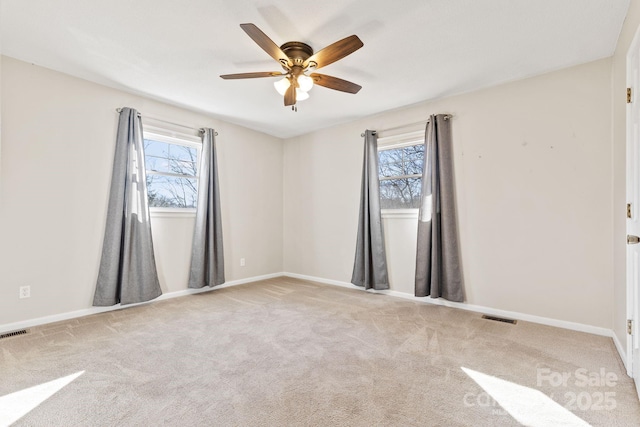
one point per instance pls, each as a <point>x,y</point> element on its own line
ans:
<point>634,48</point>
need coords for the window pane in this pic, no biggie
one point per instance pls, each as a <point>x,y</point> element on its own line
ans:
<point>180,152</point>
<point>151,163</point>
<point>174,192</point>
<point>390,162</point>
<point>397,192</point>
<point>155,156</point>
<point>413,167</point>
<point>388,156</point>
<point>182,167</point>
<point>400,193</point>
<point>157,164</point>
<point>155,148</point>
<point>170,158</point>
<point>414,152</point>
<point>385,156</point>
<point>391,169</point>
<point>414,159</point>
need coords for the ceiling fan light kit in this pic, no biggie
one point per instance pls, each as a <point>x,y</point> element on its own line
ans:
<point>299,62</point>
<point>301,95</point>
<point>305,83</point>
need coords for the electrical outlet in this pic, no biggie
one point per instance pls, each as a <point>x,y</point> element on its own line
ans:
<point>25,291</point>
<point>241,262</point>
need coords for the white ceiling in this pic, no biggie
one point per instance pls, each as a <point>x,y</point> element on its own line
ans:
<point>414,50</point>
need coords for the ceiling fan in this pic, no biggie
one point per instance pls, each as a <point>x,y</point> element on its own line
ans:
<point>299,63</point>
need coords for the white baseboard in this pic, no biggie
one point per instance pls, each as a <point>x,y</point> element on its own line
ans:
<point>10,327</point>
<point>622,350</point>
<point>477,308</point>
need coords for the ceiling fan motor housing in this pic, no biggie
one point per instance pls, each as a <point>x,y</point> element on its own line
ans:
<point>298,52</point>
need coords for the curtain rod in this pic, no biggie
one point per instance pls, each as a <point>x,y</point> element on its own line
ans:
<point>200,130</point>
<point>423,122</point>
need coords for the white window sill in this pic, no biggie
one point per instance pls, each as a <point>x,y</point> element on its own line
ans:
<point>399,213</point>
<point>172,213</point>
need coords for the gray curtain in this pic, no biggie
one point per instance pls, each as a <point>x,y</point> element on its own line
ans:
<point>207,258</point>
<point>438,267</point>
<point>127,268</point>
<point>370,266</point>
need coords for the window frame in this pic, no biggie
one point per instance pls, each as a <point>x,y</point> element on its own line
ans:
<point>392,142</point>
<point>168,136</point>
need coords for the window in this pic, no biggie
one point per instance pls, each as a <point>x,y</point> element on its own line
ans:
<point>400,171</point>
<point>172,170</point>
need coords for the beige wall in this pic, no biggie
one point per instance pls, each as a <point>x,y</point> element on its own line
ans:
<point>58,139</point>
<point>0,136</point>
<point>533,169</point>
<point>619,83</point>
<point>534,165</point>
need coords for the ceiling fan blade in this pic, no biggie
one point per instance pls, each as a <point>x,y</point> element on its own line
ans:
<point>266,44</point>
<point>335,83</point>
<point>335,52</point>
<point>252,75</point>
<point>290,96</point>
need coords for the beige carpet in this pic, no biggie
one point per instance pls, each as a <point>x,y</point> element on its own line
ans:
<point>288,352</point>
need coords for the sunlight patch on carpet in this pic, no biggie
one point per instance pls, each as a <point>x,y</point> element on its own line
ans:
<point>528,406</point>
<point>15,405</point>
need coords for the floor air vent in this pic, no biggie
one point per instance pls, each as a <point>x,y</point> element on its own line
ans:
<point>13,334</point>
<point>499,319</point>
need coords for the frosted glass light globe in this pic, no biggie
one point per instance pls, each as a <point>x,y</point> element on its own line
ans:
<point>305,83</point>
<point>282,86</point>
<point>301,95</point>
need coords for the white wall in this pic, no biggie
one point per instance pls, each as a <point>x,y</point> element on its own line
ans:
<point>534,175</point>
<point>534,164</point>
<point>0,130</point>
<point>58,140</point>
<point>618,243</point>
<point>400,245</point>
